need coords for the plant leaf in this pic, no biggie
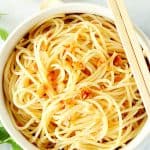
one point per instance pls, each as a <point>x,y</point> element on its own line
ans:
<point>3,34</point>
<point>1,124</point>
<point>2,14</point>
<point>14,145</point>
<point>5,138</point>
<point>3,135</point>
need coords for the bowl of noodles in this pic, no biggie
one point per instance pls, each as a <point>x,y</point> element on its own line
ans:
<point>65,83</point>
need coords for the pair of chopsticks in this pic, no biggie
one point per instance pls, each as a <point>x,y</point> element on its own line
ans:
<point>133,50</point>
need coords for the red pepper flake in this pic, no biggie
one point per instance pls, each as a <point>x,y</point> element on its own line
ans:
<point>97,61</point>
<point>52,75</point>
<point>118,77</point>
<point>125,103</point>
<point>86,71</point>
<point>52,78</point>
<point>86,93</point>
<point>118,61</point>
<point>101,87</point>
<point>140,112</point>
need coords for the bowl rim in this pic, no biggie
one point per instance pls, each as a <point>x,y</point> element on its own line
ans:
<point>23,28</point>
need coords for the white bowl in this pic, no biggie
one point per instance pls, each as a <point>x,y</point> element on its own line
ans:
<point>24,28</point>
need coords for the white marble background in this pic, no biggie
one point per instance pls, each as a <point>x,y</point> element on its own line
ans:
<point>18,10</point>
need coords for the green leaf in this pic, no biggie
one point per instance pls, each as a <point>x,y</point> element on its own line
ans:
<point>3,34</point>
<point>2,14</point>
<point>1,124</point>
<point>5,138</point>
<point>3,135</point>
<point>14,145</point>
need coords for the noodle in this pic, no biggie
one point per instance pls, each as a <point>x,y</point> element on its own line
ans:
<point>68,86</point>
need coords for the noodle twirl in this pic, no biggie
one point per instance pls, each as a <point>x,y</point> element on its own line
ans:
<point>68,85</point>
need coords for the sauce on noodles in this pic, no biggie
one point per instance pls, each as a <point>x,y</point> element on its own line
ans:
<point>68,85</point>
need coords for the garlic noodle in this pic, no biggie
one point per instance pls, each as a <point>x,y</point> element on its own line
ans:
<point>68,85</point>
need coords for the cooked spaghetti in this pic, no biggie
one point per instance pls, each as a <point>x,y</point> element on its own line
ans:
<point>68,85</point>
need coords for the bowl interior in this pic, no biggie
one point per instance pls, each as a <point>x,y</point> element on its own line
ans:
<point>24,28</point>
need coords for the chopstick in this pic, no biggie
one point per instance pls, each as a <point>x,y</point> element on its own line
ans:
<point>133,50</point>
<point>136,45</point>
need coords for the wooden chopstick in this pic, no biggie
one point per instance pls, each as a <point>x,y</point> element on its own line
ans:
<point>133,50</point>
<point>135,44</point>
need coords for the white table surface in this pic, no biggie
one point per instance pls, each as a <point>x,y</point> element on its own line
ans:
<point>18,10</point>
